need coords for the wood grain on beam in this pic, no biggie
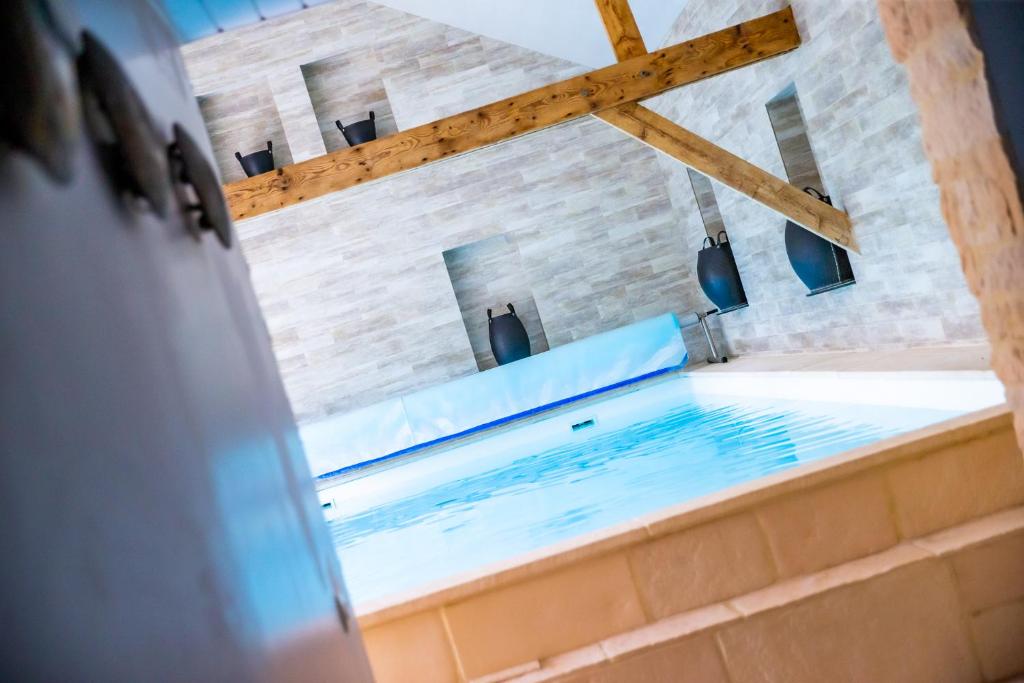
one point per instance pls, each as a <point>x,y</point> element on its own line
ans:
<point>627,81</point>
<point>623,33</point>
<point>713,161</point>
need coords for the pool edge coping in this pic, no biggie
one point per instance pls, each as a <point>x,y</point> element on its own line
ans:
<point>684,515</point>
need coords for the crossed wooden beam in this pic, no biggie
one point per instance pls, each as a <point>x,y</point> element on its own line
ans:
<point>611,94</point>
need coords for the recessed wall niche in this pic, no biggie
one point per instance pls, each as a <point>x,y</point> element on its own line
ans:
<point>706,202</point>
<point>791,136</point>
<point>717,272</point>
<point>489,274</point>
<point>820,265</point>
<point>242,120</point>
<point>347,87</point>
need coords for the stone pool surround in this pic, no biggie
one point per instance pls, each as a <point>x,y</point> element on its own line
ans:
<point>918,533</point>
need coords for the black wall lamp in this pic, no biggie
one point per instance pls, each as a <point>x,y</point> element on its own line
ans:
<point>359,132</point>
<point>718,275</point>
<point>820,265</point>
<point>259,162</point>
<point>509,340</point>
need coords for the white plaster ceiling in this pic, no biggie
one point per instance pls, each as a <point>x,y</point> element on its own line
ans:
<point>569,29</point>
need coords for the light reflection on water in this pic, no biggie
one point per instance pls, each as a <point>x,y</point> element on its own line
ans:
<point>458,512</point>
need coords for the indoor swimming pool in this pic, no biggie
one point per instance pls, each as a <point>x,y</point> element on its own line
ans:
<point>446,512</point>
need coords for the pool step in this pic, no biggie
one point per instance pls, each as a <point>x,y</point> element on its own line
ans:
<point>697,566</point>
<point>947,607</point>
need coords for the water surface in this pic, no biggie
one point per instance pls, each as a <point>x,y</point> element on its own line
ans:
<point>444,513</point>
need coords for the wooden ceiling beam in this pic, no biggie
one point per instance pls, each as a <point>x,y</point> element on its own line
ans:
<point>727,168</point>
<point>633,79</point>
<point>706,157</point>
<point>623,33</point>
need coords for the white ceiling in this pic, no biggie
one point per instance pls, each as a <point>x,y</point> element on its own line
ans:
<point>569,29</point>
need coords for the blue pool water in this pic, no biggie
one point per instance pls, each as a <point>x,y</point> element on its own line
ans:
<point>445,513</point>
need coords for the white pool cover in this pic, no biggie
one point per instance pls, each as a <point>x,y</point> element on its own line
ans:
<point>563,374</point>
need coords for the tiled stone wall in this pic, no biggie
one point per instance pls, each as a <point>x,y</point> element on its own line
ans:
<point>295,109</point>
<point>981,192</point>
<point>358,297</point>
<point>354,285</point>
<point>864,130</point>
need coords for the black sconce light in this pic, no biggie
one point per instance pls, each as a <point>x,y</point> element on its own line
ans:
<point>257,162</point>
<point>718,275</point>
<point>820,265</point>
<point>359,132</point>
<point>509,340</point>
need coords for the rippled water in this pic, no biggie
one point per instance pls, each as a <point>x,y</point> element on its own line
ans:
<point>458,510</point>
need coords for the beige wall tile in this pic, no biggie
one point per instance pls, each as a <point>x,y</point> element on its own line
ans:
<point>992,573</point>
<point>904,626</point>
<point>999,636</point>
<point>296,113</point>
<point>957,483</point>
<point>702,565</point>
<point>545,616</point>
<point>411,649</point>
<point>353,285</point>
<point>694,659</point>
<point>830,525</point>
